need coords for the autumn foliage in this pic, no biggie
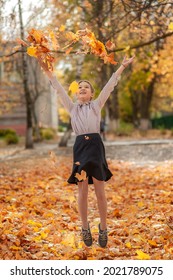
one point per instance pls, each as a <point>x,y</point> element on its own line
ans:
<point>39,214</point>
<point>42,45</point>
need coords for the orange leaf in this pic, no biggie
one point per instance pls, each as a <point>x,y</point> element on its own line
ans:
<point>152,243</point>
<point>21,42</point>
<point>109,58</point>
<point>82,176</point>
<point>109,45</point>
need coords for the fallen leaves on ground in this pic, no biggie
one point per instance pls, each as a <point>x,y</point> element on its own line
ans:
<point>39,214</point>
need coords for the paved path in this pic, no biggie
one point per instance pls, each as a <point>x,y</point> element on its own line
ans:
<point>138,151</point>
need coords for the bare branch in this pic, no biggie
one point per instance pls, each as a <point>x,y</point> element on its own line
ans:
<point>137,46</point>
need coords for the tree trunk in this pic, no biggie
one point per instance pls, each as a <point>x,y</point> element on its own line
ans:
<point>36,126</point>
<point>145,105</point>
<point>113,108</point>
<point>64,139</point>
<point>29,128</point>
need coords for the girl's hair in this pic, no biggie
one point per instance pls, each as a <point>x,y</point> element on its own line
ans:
<point>86,81</point>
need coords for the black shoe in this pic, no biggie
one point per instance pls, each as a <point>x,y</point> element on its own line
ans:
<point>87,237</point>
<point>103,237</point>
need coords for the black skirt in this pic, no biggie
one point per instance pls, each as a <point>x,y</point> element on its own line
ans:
<point>89,156</point>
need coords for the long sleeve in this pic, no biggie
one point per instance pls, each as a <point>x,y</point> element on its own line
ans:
<point>65,99</point>
<point>108,88</point>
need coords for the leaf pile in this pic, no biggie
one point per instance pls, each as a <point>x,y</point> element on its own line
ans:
<point>39,215</point>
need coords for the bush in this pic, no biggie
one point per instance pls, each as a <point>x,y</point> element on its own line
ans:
<point>48,133</point>
<point>125,129</point>
<point>162,129</point>
<point>4,132</point>
<point>11,139</point>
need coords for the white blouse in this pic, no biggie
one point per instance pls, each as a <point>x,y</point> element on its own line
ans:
<point>85,118</point>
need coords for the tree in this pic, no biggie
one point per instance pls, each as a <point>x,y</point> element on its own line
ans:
<point>29,124</point>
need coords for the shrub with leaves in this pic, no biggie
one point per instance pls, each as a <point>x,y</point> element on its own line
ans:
<point>48,133</point>
<point>11,139</point>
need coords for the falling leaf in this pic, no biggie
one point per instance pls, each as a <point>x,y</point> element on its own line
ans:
<point>82,176</point>
<point>32,51</point>
<point>74,87</point>
<point>109,45</point>
<point>21,42</point>
<point>62,28</point>
<point>53,157</point>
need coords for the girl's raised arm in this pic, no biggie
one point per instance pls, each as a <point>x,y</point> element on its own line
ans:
<point>113,81</point>
<point>65,99</point>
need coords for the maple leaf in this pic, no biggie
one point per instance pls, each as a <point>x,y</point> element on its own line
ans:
<point>74,87</point>
<point>32,51</point>
<point>110,59</point>
<point>82,176</point>
<point>109,45</point>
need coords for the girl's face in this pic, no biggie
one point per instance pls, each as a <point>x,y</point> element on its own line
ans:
<point>84,93</point>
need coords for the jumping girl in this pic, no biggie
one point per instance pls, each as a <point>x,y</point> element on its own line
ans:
<point>88,150</point>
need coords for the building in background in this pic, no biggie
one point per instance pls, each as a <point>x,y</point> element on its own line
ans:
<point>12,98</point>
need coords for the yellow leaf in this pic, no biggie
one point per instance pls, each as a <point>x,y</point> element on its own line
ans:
<point>62,28</point>
<point>36,229</point>
<point>127,49</point>
<point>82,176</point>
<point>71,199</point>
<point>63,115</point>
<point>33,223</point>
<point>140,204</point>
<point>74,87</point>
<point>15,248</point>
<point>142,255</point>
<point>32,51</point>
<point>170,27</point>
<point>69,240</point>
<point>128,245</point>
<point>43,234</point>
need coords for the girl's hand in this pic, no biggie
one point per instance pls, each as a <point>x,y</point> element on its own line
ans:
<point>126,61</point>
<point>45,67</point>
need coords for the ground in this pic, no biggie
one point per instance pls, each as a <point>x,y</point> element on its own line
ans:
<point>39,216</point>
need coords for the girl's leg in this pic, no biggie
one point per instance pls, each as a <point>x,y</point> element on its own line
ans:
<point>83,202</point>
<point>102,202</point>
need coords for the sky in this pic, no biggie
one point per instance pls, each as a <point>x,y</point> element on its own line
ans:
<point>8,21</point>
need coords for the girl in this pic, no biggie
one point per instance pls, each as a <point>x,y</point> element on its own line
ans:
<point>88,151</point>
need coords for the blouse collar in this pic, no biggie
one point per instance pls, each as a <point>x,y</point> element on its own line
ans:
<point>83,104</point>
